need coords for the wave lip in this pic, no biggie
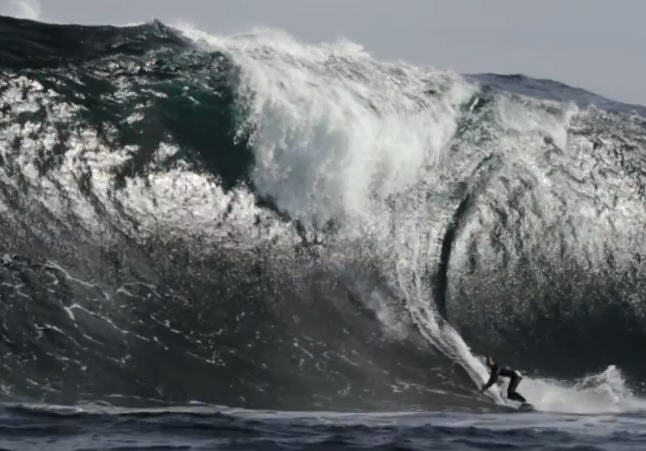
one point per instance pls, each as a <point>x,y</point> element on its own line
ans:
<point>29,44</point>
<point>24,9</point>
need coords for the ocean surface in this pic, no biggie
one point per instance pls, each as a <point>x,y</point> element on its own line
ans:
<point>60,428</point>
<point>247,242</point>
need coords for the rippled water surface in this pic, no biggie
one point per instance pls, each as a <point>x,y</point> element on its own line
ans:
<point>24,428</point>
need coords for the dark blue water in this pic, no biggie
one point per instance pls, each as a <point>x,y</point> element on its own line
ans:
<point>27,428</point>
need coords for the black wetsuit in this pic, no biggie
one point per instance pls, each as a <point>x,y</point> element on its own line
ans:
<point>514,380</point>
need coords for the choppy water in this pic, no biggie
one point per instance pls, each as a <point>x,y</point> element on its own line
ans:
<point>33,427</point>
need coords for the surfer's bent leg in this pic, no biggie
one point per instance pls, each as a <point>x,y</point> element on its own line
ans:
<point>511,391</point>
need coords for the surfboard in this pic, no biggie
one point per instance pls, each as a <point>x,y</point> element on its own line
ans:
<point>526,407</point>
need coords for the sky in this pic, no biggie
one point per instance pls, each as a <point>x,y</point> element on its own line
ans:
<point>597,45</point>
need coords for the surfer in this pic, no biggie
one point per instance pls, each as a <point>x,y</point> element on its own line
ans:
<point>504,371</point>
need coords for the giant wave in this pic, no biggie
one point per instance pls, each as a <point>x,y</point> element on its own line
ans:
<point>249,221</point>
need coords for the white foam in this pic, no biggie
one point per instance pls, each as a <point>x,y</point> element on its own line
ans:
<point>335,132</point>
<point>23,9</point>
<point>605,392</point>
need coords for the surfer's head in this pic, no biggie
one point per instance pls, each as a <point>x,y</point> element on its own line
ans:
<point>490,361</point>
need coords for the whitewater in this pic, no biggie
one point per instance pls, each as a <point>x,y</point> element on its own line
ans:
<point>288,245</point>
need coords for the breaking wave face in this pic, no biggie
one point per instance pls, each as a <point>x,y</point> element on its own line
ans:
<point>254,222</point>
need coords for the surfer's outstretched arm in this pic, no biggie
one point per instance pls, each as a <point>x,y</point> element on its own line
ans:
<point>492,379</point>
